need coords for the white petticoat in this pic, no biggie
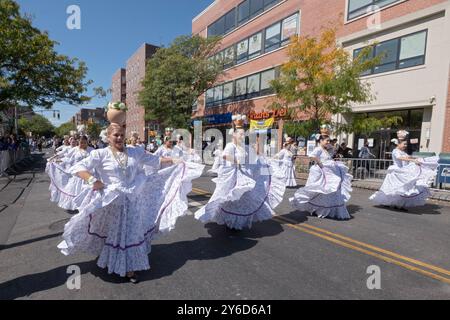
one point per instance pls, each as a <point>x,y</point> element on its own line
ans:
<point>408,186</point>
<point>119,223</point>
<point>64,187</point>
<point>244,195</point>
<point>326,192</point>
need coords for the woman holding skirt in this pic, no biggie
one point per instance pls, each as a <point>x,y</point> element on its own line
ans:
<point>407,181</point>
<point>287,160</point>
<point>124,209</point>
<point>328,188</point>
<point>64,187</point>
<point>248,187</point>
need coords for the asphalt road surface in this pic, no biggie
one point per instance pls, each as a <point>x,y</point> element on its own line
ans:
<point>378,254</point>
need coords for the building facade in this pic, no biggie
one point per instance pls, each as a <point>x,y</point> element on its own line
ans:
<point>411,82</point>
<point>88,116</point>
<point>119,86</point>
<point>254,46</point>
<point>135,74</point>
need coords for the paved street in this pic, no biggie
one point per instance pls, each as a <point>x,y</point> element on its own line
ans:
<point>293,256</point>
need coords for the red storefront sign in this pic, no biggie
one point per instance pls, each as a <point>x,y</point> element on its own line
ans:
<point>268,114</point>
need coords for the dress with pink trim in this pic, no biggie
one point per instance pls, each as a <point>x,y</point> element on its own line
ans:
<point>244,193</point>
<point>119,222</point>
<point>406,184</point>
<point>327,189</point>
<point>64,187</point>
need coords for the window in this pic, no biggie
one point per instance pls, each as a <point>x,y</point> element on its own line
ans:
<point>218,95</point>
<point>273,37</point>
<point>269,3</point>
<point>357,52</point>
<point>228,92</point>
<point>230,21</point>
<point>255,45</point>
<point>405,52</point>
<point>388,50</point>
<point>412,50</point>
<point>266,77</point>
<point>242,51</point>
<point>241,88</point>
<point>253,85</point>
<point>217,28</point>
<point>289,28</point>
<point>244,12</point>
<point>358,8</point>
<point>229,57</point>
<point>210,97</point>
<point>256,7</point>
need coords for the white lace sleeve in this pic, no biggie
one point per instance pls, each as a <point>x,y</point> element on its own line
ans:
<point>148,159</point>
<point>317,152</point>
<point>93,161</point>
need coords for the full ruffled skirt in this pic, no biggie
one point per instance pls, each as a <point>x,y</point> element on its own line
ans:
<point>118,223</point>
<point>408,186</point>
<point>64,187</point>
<point>244,195</point>
<point>326,192</point>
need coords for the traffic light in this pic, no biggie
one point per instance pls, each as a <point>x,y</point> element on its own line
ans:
<point>59,115</point>
<point>54,114</point>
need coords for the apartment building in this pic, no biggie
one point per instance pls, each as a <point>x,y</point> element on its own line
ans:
<point>412,81</point>
<point>119,86</point>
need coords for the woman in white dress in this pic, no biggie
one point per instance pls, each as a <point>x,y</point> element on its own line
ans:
<point>287,161</point>
<point>248,187</point>
<point>328,187</point>
<point>64,187</point>
<point>407,181</point>
<point>124,209</point>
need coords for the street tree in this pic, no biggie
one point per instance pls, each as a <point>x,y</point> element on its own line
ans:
<point>322,79</point>
<point>65,129</point>
<point>93,130</point>
<point>38,125</point>
<point>177,76</point>
<point>32,73</point>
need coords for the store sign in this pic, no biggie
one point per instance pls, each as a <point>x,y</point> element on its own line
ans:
<point>215,119</point>
<point>268,114</point>
<point>262,124</point>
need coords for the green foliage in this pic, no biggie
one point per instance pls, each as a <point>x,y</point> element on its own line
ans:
<point>65,129</point>
<point>32,73</point>
<point>38,125</point>
<point>93,130</point>
<point>321,79</point>
<point>364,125</point>
<point>300,129</point>
<point>176,77</point>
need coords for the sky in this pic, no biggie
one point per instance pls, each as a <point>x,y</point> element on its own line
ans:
<point>111,31</point>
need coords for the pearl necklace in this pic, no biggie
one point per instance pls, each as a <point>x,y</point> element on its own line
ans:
<point>121,158</point>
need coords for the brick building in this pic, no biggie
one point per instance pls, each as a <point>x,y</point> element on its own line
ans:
<point>86,116</point>
<point>412,81</point>
<point>119,86</point>
<point>135,73</point>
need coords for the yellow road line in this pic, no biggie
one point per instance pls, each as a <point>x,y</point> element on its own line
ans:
<point>327,235</point>
<point>370,253</point>
<point>393,254</point>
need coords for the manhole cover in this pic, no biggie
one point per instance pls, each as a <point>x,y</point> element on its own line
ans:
<point>59,225</point>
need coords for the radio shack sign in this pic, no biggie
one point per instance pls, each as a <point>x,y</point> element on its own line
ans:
<point>268,114</point>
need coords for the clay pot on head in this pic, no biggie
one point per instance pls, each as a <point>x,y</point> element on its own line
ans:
<point>117,116</point>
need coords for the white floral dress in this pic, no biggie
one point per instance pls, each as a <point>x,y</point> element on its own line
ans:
<point>327,190</point>
<point>406,184</point>
<point>119,222</point>
<point>244,193</point>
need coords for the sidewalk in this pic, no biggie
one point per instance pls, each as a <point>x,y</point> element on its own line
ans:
<point>440,195</point>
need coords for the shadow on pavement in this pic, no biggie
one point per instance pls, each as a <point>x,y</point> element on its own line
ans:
<point>431,209</point>
<point>165,259</point>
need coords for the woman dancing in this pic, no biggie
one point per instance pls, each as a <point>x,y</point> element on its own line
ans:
<point>328,187</point>
<point>287,160</point>
<point>407,181</point>
<point>124,209</point>
<point>64,187</point>
<point>248,187</point>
